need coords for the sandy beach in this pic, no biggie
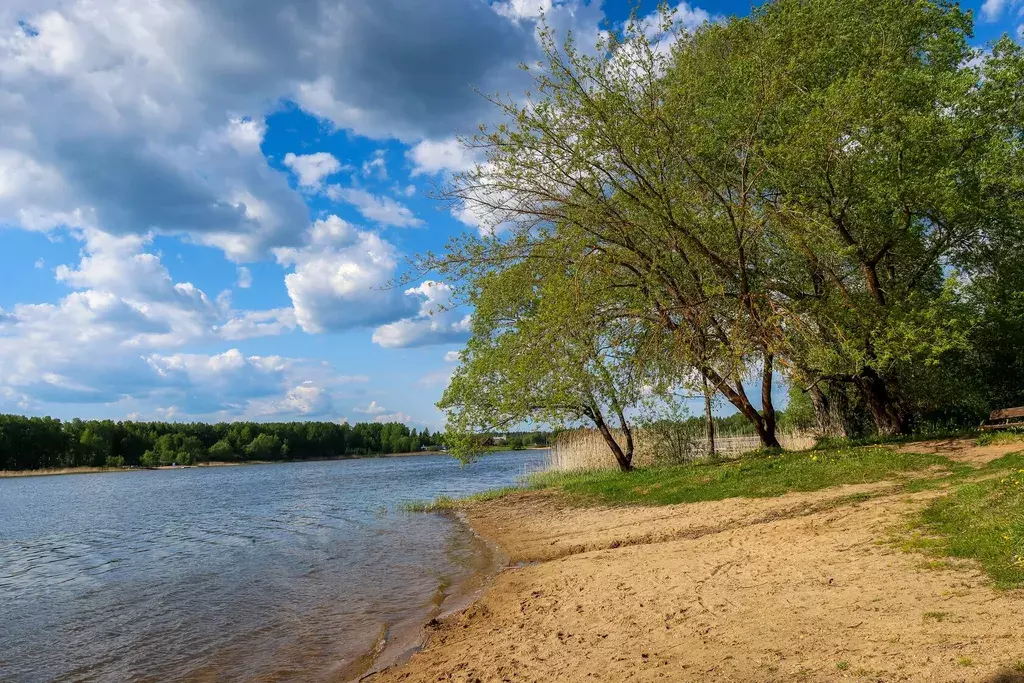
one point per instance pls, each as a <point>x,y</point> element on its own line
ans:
<point>803,587</point>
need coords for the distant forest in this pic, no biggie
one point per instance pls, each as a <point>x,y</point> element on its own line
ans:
<point>28,443</point>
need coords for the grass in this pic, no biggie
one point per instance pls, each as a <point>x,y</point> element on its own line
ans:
<point>449,504</point>
<point>980,520</point>
<point>753,476</point>
<point>990,438</point>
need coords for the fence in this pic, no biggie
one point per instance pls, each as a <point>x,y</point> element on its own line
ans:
<point>585,449</point>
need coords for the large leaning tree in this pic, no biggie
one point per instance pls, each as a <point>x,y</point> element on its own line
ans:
<point>544,350</point>
<point>797,190</point>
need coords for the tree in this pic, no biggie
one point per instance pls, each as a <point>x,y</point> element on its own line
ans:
<point>795,190</point>
<point>596,174</point>
<point>541,350</point>
<point>264,447</point>
<point>222,451</point>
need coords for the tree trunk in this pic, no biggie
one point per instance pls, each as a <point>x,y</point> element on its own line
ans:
<point>890,419</point>
<point>831,411</point>
<point>710,420</point>
<point>822,411</point>
<point>767,406</point>
<point>738,397</point>
<point>623,459</point>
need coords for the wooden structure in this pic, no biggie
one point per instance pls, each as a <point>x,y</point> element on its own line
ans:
<point>1008,418</point>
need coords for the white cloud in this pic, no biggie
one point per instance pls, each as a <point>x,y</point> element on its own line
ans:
<point>91,345</point>
<point>523,9</point>
<point>231,384</point>
<point>435,156</point>
<point>452,357</point>
<point>311,169</point>
<point>383,210</point>
<point>339,278</point>
<point>244,278</point>
<point>306,400</point>
<point>169,100</point>
<point>436,322</point>
<point>376,166</point>
<point>250,324</point>
<point>373,409</point>
<point>991,10</point>
<point>394,417</point>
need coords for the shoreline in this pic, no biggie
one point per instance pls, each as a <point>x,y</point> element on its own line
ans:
<point>62,471</point>
<point>804,586</point>
<point>396,645</point>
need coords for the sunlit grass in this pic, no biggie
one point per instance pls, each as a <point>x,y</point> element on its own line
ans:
<point>980,520</point>
<point>756,475</point>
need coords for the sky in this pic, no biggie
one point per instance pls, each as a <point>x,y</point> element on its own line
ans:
<point>202,202</point>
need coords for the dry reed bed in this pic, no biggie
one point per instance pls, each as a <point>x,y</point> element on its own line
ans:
<point>585,449</point>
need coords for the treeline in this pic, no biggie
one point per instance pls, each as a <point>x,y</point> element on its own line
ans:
<point>829,192</point>
<point>28,443</point>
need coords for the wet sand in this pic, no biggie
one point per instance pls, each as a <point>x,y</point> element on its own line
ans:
<point>804,587</point>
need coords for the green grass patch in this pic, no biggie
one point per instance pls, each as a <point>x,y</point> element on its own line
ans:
<point>754,476</point>
<point>981,520</point>
<point>1009,436</point>
<point>449,504</point>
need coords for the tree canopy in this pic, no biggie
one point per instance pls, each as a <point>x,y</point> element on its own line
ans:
<point>827,189</point>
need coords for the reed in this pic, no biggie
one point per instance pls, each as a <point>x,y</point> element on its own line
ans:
<point>8,474</point>
<point>585,449</point>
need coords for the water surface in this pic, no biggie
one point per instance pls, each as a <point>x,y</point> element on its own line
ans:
<point>273,572</point>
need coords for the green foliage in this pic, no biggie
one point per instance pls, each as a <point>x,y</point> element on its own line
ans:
<point>264,447</point>
<point>832,187</point>
<point>754,476</point>
<point>538,354</point>
<point>34,443</point>
<point>222,451</point>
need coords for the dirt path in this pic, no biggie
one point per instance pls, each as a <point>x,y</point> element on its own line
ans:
<point>797,588</point>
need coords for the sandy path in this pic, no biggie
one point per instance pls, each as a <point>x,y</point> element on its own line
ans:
<point>797,588</point>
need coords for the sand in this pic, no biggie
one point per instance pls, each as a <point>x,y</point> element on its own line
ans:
<point>805,587</point>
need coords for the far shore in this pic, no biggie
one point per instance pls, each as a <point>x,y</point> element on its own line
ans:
<point>806,586</point>
<point>50,472</point>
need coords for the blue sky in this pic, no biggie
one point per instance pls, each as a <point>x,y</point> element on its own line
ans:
<point>201,200</point>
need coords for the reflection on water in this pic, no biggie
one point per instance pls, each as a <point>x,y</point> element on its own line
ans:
<point>277,572</point>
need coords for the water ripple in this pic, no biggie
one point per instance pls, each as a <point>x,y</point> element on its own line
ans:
<point>281,572</point>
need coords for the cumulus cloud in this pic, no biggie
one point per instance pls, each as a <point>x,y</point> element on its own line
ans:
<point>232,384</point>
<point>435,156</point>
<point>339,277</point>
<point>434,323</point>
<point>91,346</point>
<point>373,409</point>
<point>523,9</point>
<point>992,10</point>
<point>311,169</point>
<point>169,99</point>
<point>383,210</point>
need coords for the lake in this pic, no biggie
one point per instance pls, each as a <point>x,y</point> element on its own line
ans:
<point>275,572</point>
